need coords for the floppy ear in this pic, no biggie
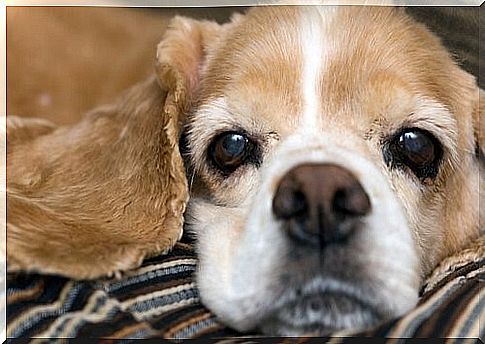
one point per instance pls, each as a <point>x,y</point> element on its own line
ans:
<point>97,197</point>
<point>182,55</point>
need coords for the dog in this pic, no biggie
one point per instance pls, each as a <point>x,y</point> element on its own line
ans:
<point>333,163</point>
<point>332,156</point>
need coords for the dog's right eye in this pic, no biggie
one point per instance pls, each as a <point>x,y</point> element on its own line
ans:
<point>230,150</point>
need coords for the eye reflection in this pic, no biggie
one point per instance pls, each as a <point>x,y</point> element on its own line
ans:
<point>417,149</point>
<point>229,150</point>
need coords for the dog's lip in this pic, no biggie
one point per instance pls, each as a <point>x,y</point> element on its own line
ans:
<point>325,286</point>
<point>284,315</point>
<point>316,300</point>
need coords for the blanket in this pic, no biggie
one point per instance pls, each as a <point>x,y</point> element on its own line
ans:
<point>160,300</point>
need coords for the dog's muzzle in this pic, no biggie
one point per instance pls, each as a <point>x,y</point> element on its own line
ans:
<point>320,208</point>
<point>319,204</point>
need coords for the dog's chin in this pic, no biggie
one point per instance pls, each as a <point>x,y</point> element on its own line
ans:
<point>321,314</point>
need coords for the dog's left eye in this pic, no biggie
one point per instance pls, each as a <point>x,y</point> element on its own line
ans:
<point>417,149</point>
<point>230,150</point>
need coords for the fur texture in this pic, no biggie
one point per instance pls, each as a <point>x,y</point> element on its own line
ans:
<point>98,197</point>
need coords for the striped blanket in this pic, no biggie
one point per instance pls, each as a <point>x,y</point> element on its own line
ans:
<point>160,300</point>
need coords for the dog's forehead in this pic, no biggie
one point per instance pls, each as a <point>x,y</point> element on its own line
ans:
<point>312,64</point>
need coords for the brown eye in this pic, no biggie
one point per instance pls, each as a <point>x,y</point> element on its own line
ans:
<point>417,149</point>
<point>229,151</point>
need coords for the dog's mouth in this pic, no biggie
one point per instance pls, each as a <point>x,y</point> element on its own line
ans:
<point>321,313</point>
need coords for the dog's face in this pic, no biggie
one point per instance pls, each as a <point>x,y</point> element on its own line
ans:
<point>331,162</point>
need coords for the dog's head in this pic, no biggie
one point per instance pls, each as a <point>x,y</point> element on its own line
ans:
<point>331,158</point>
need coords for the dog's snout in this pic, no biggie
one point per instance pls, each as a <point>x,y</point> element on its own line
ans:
<point>320,203</point>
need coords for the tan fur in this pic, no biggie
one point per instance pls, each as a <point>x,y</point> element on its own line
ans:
<point>180,56</point>
<point>265,66</point>
<point>473,252</point>
<point>96,198</point>
<point>64,61</point>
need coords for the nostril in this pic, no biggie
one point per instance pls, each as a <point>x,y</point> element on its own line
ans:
<point>289,204</point>
<point>352,201</point>
<point>299,203</point>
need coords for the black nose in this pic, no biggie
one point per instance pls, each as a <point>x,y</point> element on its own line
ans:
<point>320,204</point>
